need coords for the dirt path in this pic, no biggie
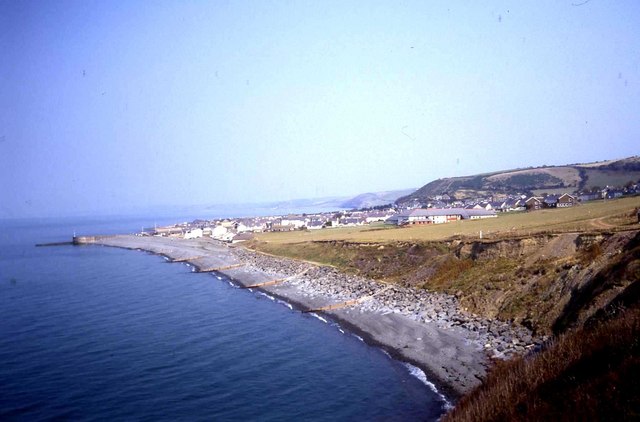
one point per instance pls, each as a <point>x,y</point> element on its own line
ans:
<point>600,224</point>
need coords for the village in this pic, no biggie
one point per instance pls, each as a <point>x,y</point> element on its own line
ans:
<point>438,210</point>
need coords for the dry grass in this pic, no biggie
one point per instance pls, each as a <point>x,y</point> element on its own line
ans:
<point>587,375</point>
<point>569,175</point>
<point>576,219</point>
<point>401,262</point>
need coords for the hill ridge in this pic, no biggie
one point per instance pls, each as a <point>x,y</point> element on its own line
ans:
<point>531,180</point>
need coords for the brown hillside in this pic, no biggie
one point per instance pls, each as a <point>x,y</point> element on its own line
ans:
<point>568,178</point>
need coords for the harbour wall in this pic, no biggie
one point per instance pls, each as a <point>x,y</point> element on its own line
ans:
<point>86,240</point>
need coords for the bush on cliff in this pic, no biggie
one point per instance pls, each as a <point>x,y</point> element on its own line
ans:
<point>588,374</point>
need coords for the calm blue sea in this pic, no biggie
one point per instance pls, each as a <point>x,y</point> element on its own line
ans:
<point>98,333</point>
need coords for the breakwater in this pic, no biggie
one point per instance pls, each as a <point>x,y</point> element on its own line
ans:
<point>86,240</point>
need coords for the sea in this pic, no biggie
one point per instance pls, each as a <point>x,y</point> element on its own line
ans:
<point>100,333</point>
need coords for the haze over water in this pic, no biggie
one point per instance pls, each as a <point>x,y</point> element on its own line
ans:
<point>122,107</point>
<point>101,333</point>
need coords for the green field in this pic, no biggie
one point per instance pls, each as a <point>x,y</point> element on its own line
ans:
<point>590,216</point>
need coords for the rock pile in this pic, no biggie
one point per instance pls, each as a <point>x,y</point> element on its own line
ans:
<point>500,339</point>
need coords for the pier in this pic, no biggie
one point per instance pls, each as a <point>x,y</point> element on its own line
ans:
<point>85,240</point>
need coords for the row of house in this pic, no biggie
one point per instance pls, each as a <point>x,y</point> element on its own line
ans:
<point>510,204</point>
<point>506,205</point>
<point>189,231</point>
<point>232,230</point>
<point>518,202</point>
<point>438,216</point>
<point>550,201</point>
<point>441,209</point>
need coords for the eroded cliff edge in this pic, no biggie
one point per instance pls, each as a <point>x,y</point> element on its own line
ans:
<point>547,283</point>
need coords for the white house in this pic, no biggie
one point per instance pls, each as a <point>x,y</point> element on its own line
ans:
<point>218,231</point>
<point>478,214</point>
<point>193,234</point>
<point>377,216</point>
<point>294,221</point>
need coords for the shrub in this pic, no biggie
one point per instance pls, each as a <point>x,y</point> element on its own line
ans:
<point>587,374</point>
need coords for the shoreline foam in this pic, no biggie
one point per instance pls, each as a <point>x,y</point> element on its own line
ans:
<point>448,354</point>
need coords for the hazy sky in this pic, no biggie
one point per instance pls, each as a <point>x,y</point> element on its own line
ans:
<point>110,106</point>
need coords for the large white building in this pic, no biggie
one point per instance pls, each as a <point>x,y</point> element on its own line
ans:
<point>438,216</point>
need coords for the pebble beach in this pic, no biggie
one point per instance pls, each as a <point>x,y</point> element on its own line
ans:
<point>428,330</point>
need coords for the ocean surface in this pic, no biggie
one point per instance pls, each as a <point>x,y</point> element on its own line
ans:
<point>99,333</point>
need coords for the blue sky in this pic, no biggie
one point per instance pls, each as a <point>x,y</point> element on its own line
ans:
<point>111,107</point>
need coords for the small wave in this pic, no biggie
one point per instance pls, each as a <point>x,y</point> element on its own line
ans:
<point>264,294</point>
<point>419,373</point>
<point>166,258</point>
<point>341,330</point>
<point>218,277</point>
<point>193,270</point>
<point>358,337</point>
<point>287,304</point>
<point>319,317</point>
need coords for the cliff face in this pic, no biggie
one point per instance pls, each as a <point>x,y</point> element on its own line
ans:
<point>547,283</point>
<point>591,298</point>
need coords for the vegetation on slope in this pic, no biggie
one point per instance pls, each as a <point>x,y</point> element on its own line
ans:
<point>569,178</point>
<point>547,283</point>
<point>590,374</point>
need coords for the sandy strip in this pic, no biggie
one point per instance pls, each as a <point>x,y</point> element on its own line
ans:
<point>451,361</point>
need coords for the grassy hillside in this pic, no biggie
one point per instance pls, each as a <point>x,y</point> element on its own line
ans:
<point>567,178</point>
